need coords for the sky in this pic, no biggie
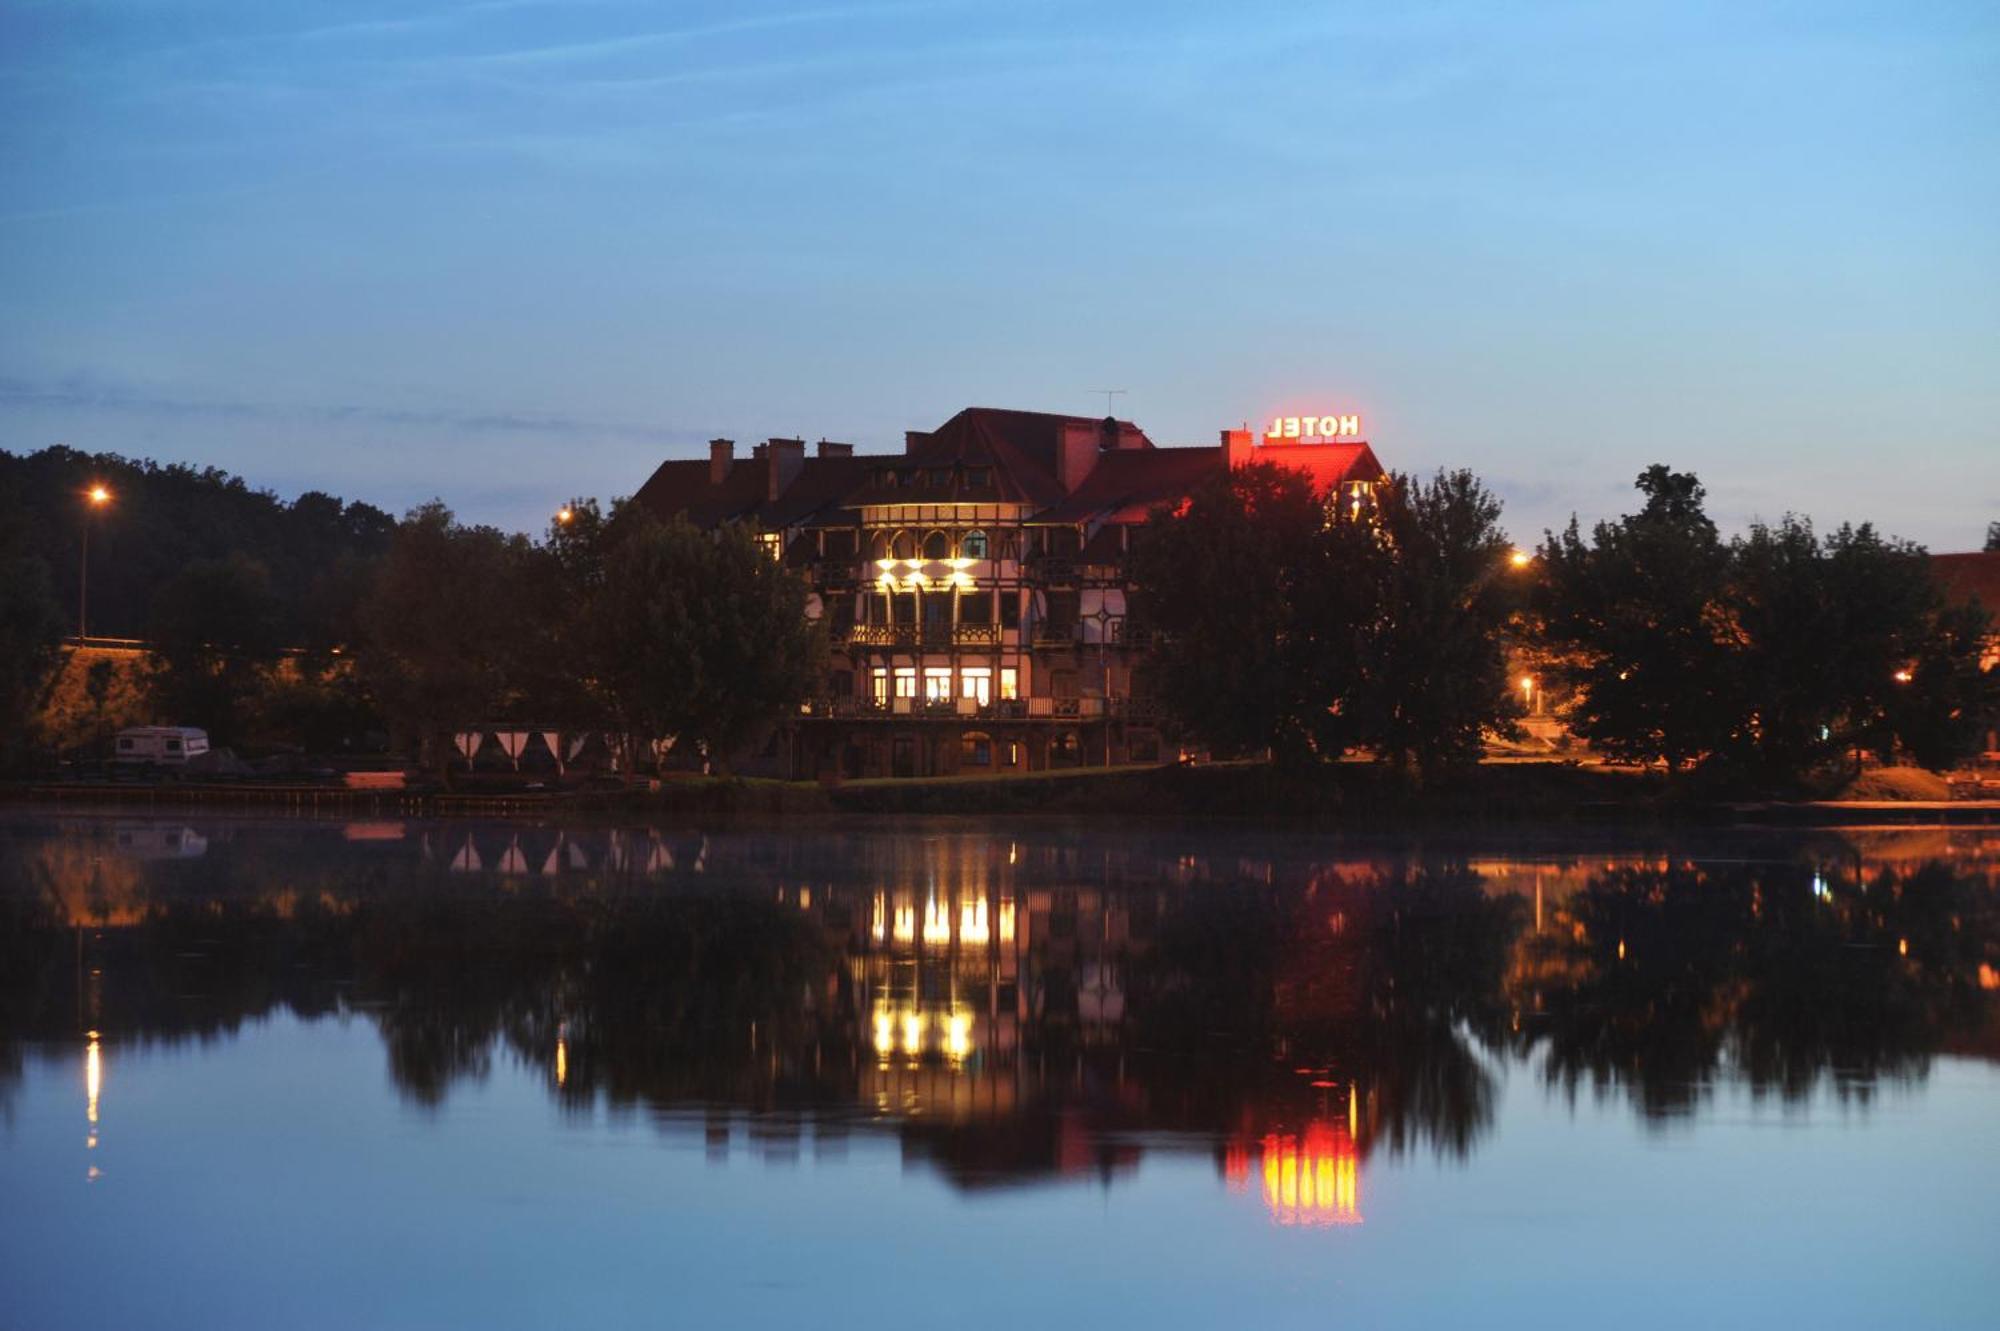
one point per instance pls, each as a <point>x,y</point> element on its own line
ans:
<point>506,252</point>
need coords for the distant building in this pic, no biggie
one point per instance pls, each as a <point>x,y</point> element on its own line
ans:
<point>975,585</point>
<point>1976,577</point>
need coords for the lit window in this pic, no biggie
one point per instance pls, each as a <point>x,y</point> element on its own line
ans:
<point>972,545</point>
<point>937,684</point>
<point>976,682</point>
<point>1010,683</point>
<point>906,681</point>
<point>880,685</point>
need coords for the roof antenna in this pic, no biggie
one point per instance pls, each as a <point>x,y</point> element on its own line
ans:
<point>1109,393</point>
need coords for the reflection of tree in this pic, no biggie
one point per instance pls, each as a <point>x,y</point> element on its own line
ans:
<point>1659,980</point>
<point>1353,1001</point>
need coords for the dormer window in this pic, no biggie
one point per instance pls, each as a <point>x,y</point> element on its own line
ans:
<point>978,477</point>
<point>940,477</point>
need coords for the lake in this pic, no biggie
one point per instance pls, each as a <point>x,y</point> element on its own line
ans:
<point>264,1072</point>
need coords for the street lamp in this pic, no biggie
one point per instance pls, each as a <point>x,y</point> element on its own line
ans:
<point>96,497</point>
<point>1521,558</point>
<point>563,515</point>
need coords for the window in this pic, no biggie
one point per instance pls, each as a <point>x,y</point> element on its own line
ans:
<point>1062,683</point>
<point>976,749</point>
<point>1010,683</point>
<point>978,476</point>
<point>976,683</point>
<point>1010,609</point>
<point>906,681</point>
<point>972,545</point>
<point>878,545</point>
<point>937,684</point>
<point>905,607</point>
<point>937,546</point>
<point>903,546</point>
<point>975,607</point>
<point>879,683</point>
<point>1064,751</point>
<point>940,477</point>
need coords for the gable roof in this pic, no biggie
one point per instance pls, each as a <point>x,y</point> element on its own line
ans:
<point>1126,486</point>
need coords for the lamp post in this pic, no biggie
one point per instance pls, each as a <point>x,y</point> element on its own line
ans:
<point>95,497</point>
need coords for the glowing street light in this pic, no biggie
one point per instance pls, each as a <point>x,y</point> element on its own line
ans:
<point>564,515</point>
<point>1521,558</point>
<point>96,497</point>
<point>1904,676</point>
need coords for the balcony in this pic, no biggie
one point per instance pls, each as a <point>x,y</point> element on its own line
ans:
<point>883,635</point>
<point>975,635</point>
<point>1124,633</point>
<point>1057,635</point>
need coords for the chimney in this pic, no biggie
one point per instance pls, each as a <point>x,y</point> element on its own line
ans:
<point>785,459</point>
<point>828,449</point>
<point>1077,452</point>
<point>1236,446</point>
<point>721,454</point>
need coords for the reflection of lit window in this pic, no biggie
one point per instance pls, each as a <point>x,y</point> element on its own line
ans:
<point>958,1036</point>
<point>906,921</point>
<point>879,920</point>
<point>972,922</point>
<point>937,923</point>
<point>93,1076</point>
<point>913,1033</point>
<point>885,1033</point>
<point>1315,1180</point>
<point>562,1061</point>
<point>1006,919</point>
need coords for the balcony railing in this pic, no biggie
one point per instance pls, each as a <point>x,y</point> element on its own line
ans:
<point>976,635</point>
<point>1057,634</point>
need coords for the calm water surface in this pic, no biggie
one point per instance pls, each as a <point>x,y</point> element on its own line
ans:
<point>270,1073</point>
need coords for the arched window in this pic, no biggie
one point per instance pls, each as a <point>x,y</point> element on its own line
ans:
<point>972,545</point>
<point>904,546</point>
<point>976,749</point>
<point>937,546</point>
<point>878,545</point>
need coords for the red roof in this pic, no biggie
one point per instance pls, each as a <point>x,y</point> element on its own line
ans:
<point>1126,486</point>
<point>1970,577</point>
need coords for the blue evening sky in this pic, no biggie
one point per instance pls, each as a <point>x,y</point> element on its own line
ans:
<point>510,251</point>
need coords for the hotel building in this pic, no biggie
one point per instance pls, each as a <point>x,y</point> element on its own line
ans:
<point>975,586</point>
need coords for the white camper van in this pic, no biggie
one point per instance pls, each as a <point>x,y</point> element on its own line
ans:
<point>160,746</point>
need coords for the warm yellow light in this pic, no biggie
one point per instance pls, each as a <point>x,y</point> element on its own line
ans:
<point>937,923</point>
<point>1902,947</point>
<point>1521,558</point>
<point>99,495</point>
<point>1006,919</point>
<point>1904,676</point>
<point>562,1061</point>
<point>958,1036</point>
<point>885,1033</point>
<point>879,919</point>
<point>563,515</point>
<point>972,922</point>
<point>93,1076</point>
<point>913,1033</point>
<point>906,923</point>
<point>1621,949</point>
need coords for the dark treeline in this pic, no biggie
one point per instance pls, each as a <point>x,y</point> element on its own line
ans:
<point>162,519</point>
<point>1309,628</point>
<point>1315,630</point>
<point>336,628</point>
<point>1238,997</point>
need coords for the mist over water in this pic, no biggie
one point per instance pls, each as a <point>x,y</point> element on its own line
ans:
<point>407,1073</point>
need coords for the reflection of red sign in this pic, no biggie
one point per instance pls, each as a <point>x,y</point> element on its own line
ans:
<point>1314,427</point>
<point>1314,1179</point>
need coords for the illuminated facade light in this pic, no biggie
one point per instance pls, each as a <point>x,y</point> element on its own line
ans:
<point>972,927</point>
<point>937,923</point>
<point>1314,1179</point>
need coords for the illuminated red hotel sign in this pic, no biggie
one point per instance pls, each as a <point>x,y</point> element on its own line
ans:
<point>1324,428</point>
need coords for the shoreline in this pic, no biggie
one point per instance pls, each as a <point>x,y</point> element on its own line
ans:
<point>1340,798</point>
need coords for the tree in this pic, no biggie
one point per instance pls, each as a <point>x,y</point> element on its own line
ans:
<point>1830,635</point>
<point>1433,668</point>
<point>700,636</point>
<point>1232,586</point>
<point>31,629</point>
<point>214,629</point>
<point>1637,624</point>
<point>1992,537</point>
<point>443,625</point>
